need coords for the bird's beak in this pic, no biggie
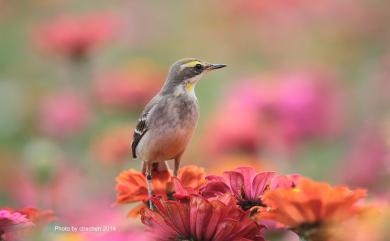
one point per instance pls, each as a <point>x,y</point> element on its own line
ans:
<point>215,66</point>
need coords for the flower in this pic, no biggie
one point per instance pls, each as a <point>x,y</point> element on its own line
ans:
<point>131,185</point>
<point>371,224</point>
<point>245,184</point>
<point>276,113</point>
<point>128,88</point>
<point>197,218</point>
<point>311,207</point>
<point>76,36</point>
<point>11,221</point>
<point>227,136</point>
<point>63,114</point>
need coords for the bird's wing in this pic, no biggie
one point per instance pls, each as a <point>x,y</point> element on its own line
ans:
<point>142,126</point>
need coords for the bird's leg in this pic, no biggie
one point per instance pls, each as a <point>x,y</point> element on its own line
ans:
<point>177,165</point>
<point>149,182</point>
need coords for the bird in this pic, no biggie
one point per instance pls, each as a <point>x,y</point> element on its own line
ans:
<point>168,121</point>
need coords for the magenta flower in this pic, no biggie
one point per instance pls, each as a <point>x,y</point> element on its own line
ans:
<point>229,136</point>
<point>12,221</point>
<point>197,218</point>
<point>277,113</point>
<point>76,36</point>
<point>309,106</point>
<point>63,114</point>
<point>246,185</point>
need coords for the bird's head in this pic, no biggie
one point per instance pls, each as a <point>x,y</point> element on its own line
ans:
<point>187,72</point>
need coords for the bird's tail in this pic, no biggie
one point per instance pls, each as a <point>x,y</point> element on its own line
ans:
<point>157,167</point>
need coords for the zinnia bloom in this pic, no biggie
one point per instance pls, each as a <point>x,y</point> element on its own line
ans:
<point>197,218</point>
<point>276,113</point>
<point>371,224</point>
<point>245,184</point>
<point>11,221</point>
<point>76,36</point>
<point>131,185</point>
<point>309,208</point>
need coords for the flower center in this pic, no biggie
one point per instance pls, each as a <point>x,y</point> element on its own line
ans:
<point>311,231</point>
<point>248,204</point>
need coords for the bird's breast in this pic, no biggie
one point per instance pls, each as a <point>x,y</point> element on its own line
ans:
<point>171,126</point>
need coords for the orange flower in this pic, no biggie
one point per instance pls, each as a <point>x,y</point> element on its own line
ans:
<point>131,185</point>
<point>309,208</point>
<point>371,224</point>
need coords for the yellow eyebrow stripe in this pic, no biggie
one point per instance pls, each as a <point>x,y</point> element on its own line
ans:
<point>192,64</point>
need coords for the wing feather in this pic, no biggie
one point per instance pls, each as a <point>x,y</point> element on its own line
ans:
<point>141,127</point>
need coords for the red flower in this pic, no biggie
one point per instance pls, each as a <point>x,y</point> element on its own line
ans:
<point>76,36</point>
<point>197,218</point>
<point>246,185</point>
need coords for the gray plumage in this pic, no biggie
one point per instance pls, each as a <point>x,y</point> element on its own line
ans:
<point>165,127</point>
<point>169,119</point>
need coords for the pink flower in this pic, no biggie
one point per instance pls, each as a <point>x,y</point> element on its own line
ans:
<point>276,113</point>
<point>197,218</point>
<point>76,36</point>
<point>63,114</point>
<point>130,88</point>
<point>308,106</point>
<point>246,185</point>
<point>12,221</point>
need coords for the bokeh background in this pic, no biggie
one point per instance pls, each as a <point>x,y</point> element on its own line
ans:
<point>307,91</point>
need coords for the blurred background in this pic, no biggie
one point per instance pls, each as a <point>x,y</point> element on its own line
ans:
<point>306,91</point>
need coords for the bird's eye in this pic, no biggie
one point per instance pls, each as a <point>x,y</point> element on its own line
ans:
<point>199,67</point>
